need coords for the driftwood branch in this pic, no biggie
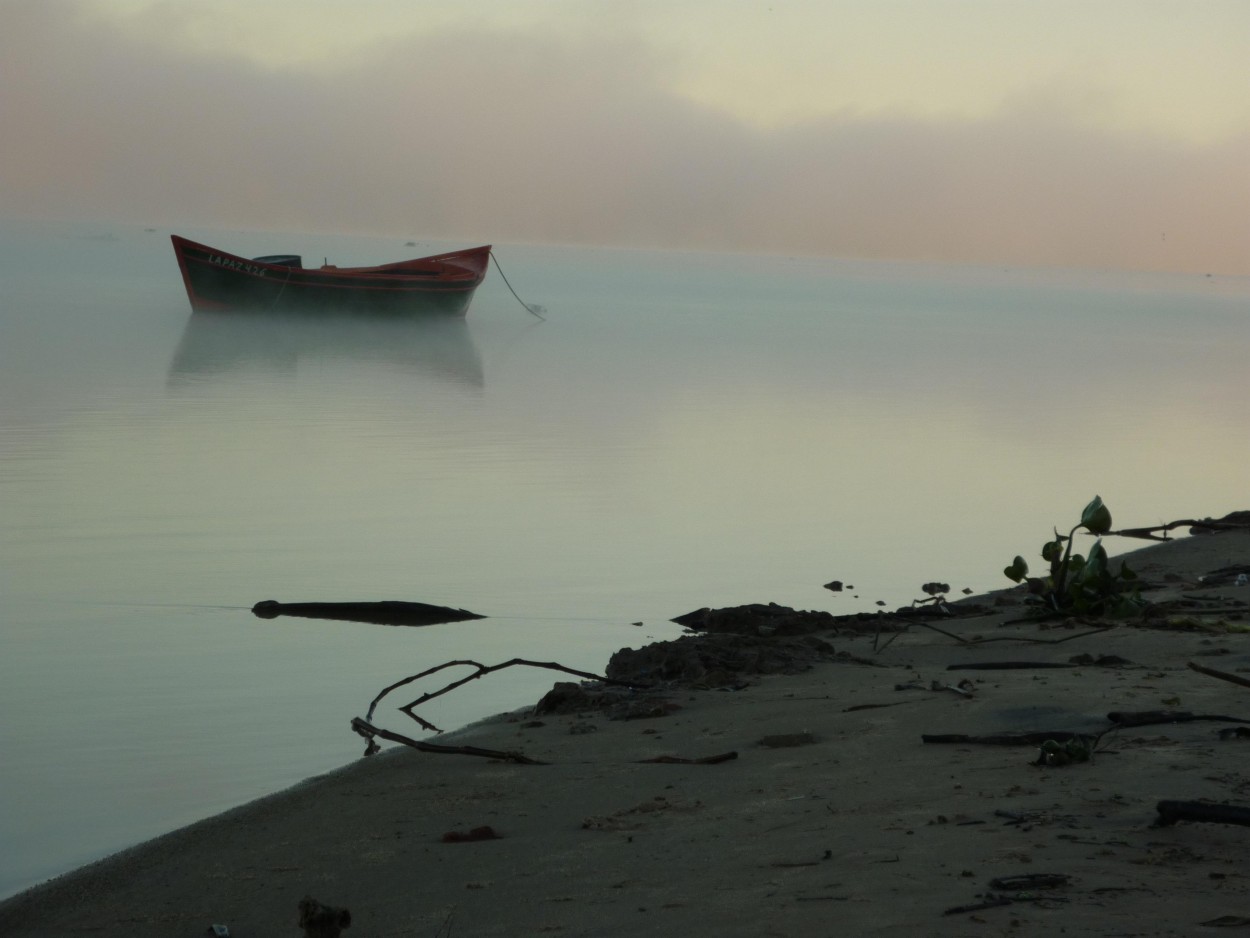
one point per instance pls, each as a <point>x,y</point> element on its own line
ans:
<point>366,729</point>
<point>1159,531</point>
<point>481,671</point>
<point>1161,717</point>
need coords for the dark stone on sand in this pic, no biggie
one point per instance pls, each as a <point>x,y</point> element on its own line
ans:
<point>693,661</point>
<point>616,703</point>
<point>322,921</point>
<point>758,619</point>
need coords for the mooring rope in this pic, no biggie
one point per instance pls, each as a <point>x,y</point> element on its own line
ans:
<point>282,289</point>
<point>534,308</point>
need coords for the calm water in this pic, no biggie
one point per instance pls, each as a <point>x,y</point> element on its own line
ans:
<point>683,430</point>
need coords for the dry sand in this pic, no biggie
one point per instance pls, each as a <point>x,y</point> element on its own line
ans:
<point>861,830</point>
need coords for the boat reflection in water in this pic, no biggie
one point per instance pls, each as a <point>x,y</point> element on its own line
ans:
<point>221,344</point>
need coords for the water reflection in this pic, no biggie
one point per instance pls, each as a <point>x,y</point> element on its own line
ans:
<point>216,345</point>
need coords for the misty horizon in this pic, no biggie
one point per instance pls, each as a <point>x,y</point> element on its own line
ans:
<point>489,133</point>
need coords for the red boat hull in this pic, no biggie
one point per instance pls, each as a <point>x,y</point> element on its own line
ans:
<point>217,280</point>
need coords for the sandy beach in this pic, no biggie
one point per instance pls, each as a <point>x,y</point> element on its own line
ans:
<point>835,815</point>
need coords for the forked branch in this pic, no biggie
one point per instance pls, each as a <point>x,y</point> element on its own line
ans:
<point>1159,532</point>
<point>481,670</point>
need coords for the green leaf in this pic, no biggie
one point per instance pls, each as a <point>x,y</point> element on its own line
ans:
<point>1096,518</point>
<point>1126,573</point>
<point>1052,551</point>
<point>1095,567</point>
<point>1017,571</point>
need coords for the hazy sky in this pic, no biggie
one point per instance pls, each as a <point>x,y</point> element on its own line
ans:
<point>1103,133</point>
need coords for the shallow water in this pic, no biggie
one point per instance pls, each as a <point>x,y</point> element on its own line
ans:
<point>682,430</point>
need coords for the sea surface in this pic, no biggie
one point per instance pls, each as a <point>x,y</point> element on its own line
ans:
<point>683,430</point>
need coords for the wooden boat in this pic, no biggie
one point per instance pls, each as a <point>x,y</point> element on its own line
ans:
<point>217,280</point>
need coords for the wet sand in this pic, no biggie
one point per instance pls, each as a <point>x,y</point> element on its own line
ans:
<point>834,817</point>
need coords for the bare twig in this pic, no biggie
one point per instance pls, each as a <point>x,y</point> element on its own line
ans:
<point>705,760</point>
<point>366,729</point>
<point>1040,641</point>
<point>1159,717</point>
<point>1152,533</point>
<point>1002,638</point>
<point>482,671</point>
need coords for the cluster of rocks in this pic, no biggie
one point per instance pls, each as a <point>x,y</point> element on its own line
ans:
<point>730,647</point>
<point>716,660</point>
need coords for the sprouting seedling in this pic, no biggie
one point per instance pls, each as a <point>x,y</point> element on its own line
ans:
<point>1077,583</point>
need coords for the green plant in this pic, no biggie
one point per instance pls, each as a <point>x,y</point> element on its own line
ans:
<point>1080,585</point>
<point>1076,749</point>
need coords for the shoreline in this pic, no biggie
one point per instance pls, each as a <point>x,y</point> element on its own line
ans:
<point>833,807</point>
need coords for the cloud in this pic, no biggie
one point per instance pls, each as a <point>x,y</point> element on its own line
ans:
<point>516,136</point>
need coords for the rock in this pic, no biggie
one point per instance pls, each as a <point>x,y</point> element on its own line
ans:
<point>322,921</point>
<point>616,703</point>
<point>716,660</point>
<point>758,619</point>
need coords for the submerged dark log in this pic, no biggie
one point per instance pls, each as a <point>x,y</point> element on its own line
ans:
<point>388,612</point>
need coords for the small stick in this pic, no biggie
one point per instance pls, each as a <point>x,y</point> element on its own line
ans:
<point>368,731</point>
<point>999,638</point>
<point>1006,739</point>
<point>993,903</point>
<point>705,760</point>
<point>1041,641</point>
<point>1008,665</point>
<point>1222,675</point>
<point>1158,717</point>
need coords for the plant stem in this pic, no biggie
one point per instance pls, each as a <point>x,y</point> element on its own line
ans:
<point>1061,581</point>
